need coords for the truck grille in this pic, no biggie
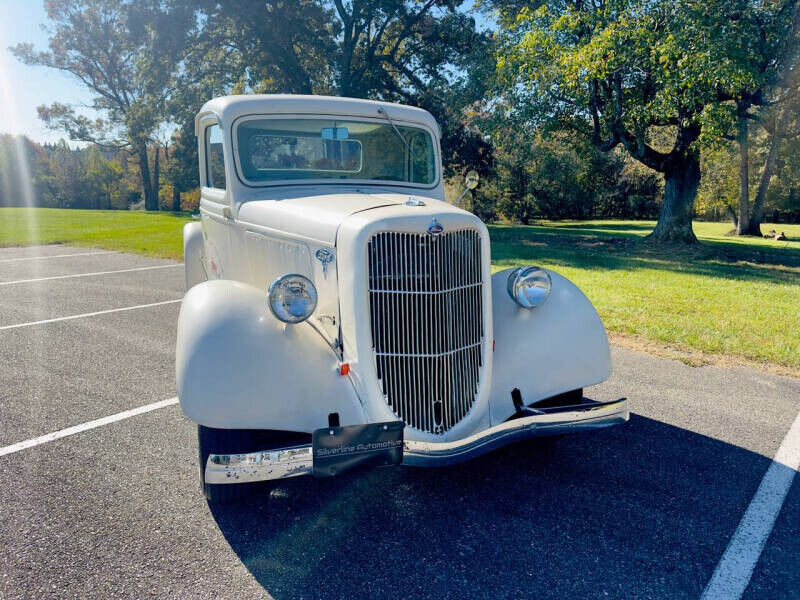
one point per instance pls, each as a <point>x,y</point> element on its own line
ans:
<point>426,309</point>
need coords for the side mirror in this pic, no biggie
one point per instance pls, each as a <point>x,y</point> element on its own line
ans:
<point>470,183</point>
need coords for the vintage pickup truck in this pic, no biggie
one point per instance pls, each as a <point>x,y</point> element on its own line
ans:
<point>340,313</point>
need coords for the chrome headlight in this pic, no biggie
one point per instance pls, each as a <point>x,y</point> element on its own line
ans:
<point>292,298</point>
<point>529,286</point>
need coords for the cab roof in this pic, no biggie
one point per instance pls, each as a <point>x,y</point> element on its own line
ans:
<point>229,108</point>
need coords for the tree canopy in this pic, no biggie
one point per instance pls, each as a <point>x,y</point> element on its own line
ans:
<point>567,108</point>
<point>659,78</point>
<point>426,53</point>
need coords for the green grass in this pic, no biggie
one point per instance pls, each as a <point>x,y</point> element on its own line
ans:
<point>151,234</point>
<point>731,296</point>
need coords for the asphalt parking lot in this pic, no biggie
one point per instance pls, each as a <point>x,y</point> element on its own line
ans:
<point>643,510</point>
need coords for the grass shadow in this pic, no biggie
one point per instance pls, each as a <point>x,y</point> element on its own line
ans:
<point>711,258</point>
<point>643,226</point>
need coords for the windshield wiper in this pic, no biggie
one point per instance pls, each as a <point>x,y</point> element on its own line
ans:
<point>382,111</point>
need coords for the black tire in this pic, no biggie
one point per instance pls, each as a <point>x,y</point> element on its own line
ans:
<point>224,441</point>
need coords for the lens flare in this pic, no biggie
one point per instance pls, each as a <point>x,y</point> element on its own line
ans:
<point>18,178</point>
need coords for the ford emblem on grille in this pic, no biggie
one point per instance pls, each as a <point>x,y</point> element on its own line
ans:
<point>435,228</point>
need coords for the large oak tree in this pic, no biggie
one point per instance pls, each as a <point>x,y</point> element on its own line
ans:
<point>659,77</point>
<point>428,53</point>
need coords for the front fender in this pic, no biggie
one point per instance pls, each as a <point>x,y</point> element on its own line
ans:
<point>554,348</point>
<point>238,367</point>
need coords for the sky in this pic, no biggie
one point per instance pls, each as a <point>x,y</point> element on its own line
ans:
<point>23,88</point>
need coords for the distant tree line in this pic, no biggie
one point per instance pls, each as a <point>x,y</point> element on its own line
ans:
<point>569,109</point>
<point>92,177</point>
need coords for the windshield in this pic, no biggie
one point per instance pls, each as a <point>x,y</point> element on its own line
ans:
<point>281,149</point>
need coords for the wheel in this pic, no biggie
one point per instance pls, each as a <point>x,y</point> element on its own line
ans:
<point>224,441</point>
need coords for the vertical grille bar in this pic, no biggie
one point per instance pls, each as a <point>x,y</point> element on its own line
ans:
<point>426,318</point>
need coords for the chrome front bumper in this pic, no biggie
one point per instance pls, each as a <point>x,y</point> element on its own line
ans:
<point>299,460</point>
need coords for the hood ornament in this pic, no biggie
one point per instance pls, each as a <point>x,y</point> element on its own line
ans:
<point>325,256</point>
<point>435,228</point>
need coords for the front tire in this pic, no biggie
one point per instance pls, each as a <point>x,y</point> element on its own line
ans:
<point>223,441</point>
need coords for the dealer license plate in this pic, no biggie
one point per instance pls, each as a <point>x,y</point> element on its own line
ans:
<point>338,449</point>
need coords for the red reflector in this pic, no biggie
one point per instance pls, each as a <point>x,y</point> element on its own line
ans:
<point>493,343</point>
<point>344,369</point>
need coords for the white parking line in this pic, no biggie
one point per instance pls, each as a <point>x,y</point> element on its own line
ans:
<point>86,426</point>
<point>57,256</point>
<point>736,567</point>
<point>91,314</point>
<point>89,274</point>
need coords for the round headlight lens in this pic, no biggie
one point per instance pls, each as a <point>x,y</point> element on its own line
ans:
<point>529,286</point>
<point>292,298</point>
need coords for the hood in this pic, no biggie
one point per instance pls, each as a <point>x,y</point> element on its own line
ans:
<point>314,217</point>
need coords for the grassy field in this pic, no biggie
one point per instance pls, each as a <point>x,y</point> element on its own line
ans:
<point>152,234</point>
<point>738,297</point>
<point>734,297</point>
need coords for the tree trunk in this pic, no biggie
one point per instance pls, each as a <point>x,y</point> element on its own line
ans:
<point>681,180</point>
<point>754,227</point>
<point>176,194</point>
<point>348,46</point>
<point>345,78</point>
<point>732,214</point>
<point>743,222</point>
<point>144,170</point>
<point>157,178</point>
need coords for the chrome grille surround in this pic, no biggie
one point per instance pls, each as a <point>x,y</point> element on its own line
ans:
<point>426,315</point>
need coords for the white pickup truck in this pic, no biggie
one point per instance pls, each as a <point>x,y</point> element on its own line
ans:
<point>340,313</point>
